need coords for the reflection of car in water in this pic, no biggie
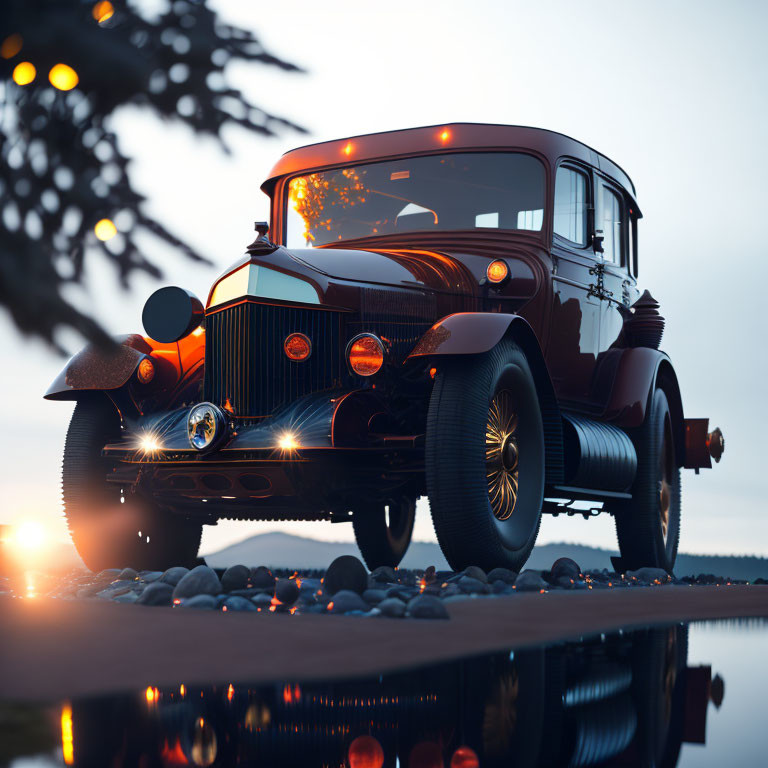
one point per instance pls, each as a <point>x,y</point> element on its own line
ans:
<point>624,700</point>
<point>447,312</point>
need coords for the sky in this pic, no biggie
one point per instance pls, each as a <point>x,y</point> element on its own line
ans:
<point>675,92</point>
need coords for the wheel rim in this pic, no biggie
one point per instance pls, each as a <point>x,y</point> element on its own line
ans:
<point>666,462</point>
<point>502,455</point>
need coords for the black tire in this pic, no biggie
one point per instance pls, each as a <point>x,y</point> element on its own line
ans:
<point>383,531</point>
<point>111,527</point>
<point>465,457</point>
<point>644,540</point>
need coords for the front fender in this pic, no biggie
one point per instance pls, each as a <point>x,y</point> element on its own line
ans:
<point>94,369</point>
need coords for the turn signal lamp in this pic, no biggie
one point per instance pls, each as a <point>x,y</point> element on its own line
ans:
<point>146,371</point>
<point>497,271</point>
<point>297,347</point>
<point>365,354</point>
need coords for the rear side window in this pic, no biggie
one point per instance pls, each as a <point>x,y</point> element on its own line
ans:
<point>571,205</point>
<point>612,225</point>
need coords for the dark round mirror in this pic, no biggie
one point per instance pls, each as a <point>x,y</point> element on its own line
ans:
<point>171,314</point>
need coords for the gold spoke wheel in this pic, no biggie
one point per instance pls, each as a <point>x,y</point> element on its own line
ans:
<point>502,455</point>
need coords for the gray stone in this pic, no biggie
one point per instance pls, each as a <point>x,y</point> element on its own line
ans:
<point>127,574</point>
<point>502,574</point>
<point>237,603</point>
<point>384,575</point>
<point>346,601</point>
<point>649,575</point>
<point>235,577</point>
<point>530,581</point>
<point>500,587</point>
<point>472,586</point>
<point>374,596</point>
<point>475,572</point>
<point>392,608</point>
<point>148,577</point>
<point>174,575</point>
<point>201,602</point>
<point>403,593</point>
<point>427,607</point>
<point>287,591</point>
<point>262,600</point>
<point>262,578</point>
<point>201,580</point>
<point>564,567</point>
<point>345,573</point>
<point>156,594</point>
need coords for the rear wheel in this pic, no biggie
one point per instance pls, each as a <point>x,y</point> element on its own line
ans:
<point>648,525</point>
<point>485,459</point>
<point>383,531</point>
<point>110,526</point>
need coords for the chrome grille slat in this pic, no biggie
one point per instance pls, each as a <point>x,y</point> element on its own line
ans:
<point>245,363</point>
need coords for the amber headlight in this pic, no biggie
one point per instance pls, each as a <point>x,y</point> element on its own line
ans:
<point>206,426</point>
<point>365,354</point>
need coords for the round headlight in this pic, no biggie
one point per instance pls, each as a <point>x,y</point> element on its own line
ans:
<point>206,426</point>
<point>365,354</point>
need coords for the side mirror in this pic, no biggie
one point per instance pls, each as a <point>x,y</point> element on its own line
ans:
<point>171,314</point>
<point>597,240</point>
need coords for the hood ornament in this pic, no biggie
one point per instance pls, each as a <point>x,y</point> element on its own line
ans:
<point>262,245</point>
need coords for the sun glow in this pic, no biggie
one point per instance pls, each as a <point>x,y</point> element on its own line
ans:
<point>29,535</point>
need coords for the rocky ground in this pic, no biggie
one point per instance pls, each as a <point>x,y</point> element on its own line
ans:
<point>345,587</point>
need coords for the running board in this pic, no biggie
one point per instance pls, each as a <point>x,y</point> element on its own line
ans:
<point>586,494</point>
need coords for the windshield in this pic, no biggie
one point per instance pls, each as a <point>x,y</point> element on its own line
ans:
<point>470,190</point>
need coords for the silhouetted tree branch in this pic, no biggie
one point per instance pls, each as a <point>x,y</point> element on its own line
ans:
<point>61,169</point>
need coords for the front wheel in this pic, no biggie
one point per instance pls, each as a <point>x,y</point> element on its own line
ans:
<point>648,525</point>
<point>485,459</point>
<point>110,526</point>
<point>383,531</point>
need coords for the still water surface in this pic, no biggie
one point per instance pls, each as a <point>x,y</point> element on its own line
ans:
<point>688,696</point>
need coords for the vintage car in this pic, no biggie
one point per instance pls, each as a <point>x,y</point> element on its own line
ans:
<point>447,311</point>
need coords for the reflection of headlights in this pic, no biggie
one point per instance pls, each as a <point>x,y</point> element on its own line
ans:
<point>206,426</point>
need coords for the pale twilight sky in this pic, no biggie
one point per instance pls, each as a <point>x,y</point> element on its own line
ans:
<point>674,92</point>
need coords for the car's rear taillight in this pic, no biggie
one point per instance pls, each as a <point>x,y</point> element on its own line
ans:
<point>365,354</point>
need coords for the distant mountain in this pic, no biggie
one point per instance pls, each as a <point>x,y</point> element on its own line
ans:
<point>283,550</point>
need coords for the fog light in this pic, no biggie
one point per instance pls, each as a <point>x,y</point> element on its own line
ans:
<point>297,347</point>
<point>206,426</point>
<point>497,271</point>
<point>146,371</point>
<point>365,354</point>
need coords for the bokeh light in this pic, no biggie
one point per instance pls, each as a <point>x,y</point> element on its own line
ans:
<point>29,535</point>
<point>103,11</point>
<point>63,77</point>
<point>24,73</point>
<point>11,46</point>
<point>105,229</point>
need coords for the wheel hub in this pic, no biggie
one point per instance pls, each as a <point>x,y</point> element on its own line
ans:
<point>502,455</point>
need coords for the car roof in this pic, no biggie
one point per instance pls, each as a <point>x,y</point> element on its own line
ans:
<point>440,138</point>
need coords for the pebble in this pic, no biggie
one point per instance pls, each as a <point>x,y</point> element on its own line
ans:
<point>148,577</point>
<point>127,574</point>
<point>427,607</point>
<point>262,600</point>
<point>649,575</point>
<point>237,603</point>
<point>345,573</point>
<point>235,577</point>
<point>202,602</point>
<point>345,601</point>
<point>472,586</point>
<point>530,581</point>
<point>475,572</point>
<point>156,594</point>
<point>262,578</point>
<point>384,574</point>
<point>392,608</point>
<point>564,567</point>
<point>174,575</point>
<point>287,591</point>
<point>502,574</point>
<point>201,580</point>
<point>374,596</point>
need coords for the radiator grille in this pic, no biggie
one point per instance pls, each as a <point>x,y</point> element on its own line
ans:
<point>246,366</point>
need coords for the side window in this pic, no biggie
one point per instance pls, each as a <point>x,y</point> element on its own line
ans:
<point>612,221</point>
<point>571,205</point>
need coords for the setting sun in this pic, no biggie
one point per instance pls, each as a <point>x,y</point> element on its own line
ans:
<point>29,535</point>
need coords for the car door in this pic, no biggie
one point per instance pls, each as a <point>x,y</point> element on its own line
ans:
<point>573,342</point>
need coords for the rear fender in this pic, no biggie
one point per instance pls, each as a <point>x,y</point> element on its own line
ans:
<point>639,372</point>
<point>472,333</point>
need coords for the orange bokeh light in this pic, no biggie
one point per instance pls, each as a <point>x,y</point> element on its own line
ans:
<point>445,136</point>
<point>103,11</point>
<point>67,735</point>
<point>365,752</point>
<point>63,77</point>
<point>11,46</point>
<point>24,73</point>
<point>348,148</point>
